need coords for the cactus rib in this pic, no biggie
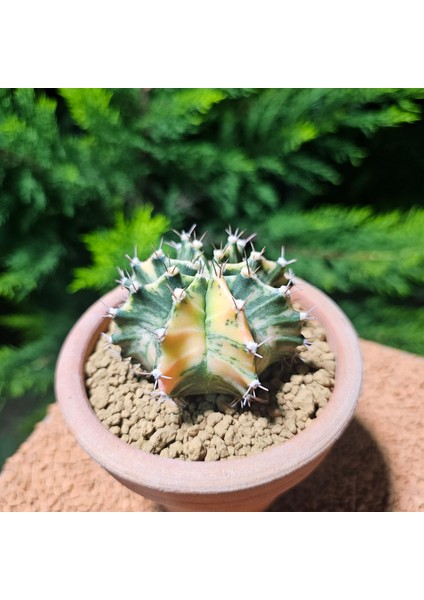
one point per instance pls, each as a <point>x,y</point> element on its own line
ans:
<point>196,325</point>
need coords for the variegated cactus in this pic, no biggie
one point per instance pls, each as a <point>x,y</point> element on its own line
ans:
<point>198,326</point>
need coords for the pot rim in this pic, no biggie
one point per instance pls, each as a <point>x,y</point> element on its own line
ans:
<point>170,475</point>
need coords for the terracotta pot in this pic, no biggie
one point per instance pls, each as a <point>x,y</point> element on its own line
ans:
<point>248,483</point>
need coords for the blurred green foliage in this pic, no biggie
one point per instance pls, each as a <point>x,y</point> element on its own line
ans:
<point>106,247</point>
<point>85,174</point>
<point>371,264</point>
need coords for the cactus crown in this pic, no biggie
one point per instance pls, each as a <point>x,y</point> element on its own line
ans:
<point>202,326</point>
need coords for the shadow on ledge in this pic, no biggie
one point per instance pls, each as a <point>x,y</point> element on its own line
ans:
<point>353,477</point>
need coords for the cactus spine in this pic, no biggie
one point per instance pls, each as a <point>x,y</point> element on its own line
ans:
<point>199,326</point>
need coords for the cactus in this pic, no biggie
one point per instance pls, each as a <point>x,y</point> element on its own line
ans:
<point>200,326</point>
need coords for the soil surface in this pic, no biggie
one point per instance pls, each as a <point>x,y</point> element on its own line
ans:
<point>207,427</point>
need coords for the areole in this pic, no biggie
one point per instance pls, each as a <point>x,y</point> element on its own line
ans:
<point>240,484</point>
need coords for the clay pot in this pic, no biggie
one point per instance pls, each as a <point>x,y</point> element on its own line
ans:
<point>248,483</point>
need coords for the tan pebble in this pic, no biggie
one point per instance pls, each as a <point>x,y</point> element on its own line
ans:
<point>89,370</point>
<point>139,404</point>
<point>115,430</point>
<point>304,401</point>
<point>134,418</point>
<point>329,366</point>
<point>175,419</point>
<point>257,447</point>
<point>291,425</point>
<point>180,435</point>
<point>219,444</point>
<point>324,346</point>
<point>247,418</point>
<point>229,435</point>
<point>317,389</point>
<point>246,431</point>
<point>103,360</point>
<point>102,414</point>
<point>171,408</point>
<point>139,443</point>
<point>205,435</point>
<point>223,452</point>
<point>175,449</point>
<point>115,419</point>
<point>125,427</point>
<point>321,376</point>
<point>118,406</point>
<point>322,401</point>
<point>100,375</point>
<point>159,422</point>
<point>301,416</point>
<point>211,454</point>
<point>287,387</point>
<point>146,428</point>
<point>308,378</point>
<point>161,438</point>
<point>245,440</point>
<point>214,418</point>
<point>193,430</point>
<point>296,380</point>
<point>194,449</point>
<point>153,413</point>
<point>290,414</point>
<point>99,400</point>
<point>276,428</point>
<point>135,430</point>
<point>221,428</point>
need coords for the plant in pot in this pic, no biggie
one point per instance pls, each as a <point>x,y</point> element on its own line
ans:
<point>216,400</point>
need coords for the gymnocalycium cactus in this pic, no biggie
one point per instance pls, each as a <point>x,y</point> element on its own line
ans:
<point>199,326</point>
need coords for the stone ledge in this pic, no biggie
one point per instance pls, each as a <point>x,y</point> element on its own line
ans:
<point>377,465</point>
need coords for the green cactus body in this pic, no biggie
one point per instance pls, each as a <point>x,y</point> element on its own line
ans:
<point>199,326</point>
